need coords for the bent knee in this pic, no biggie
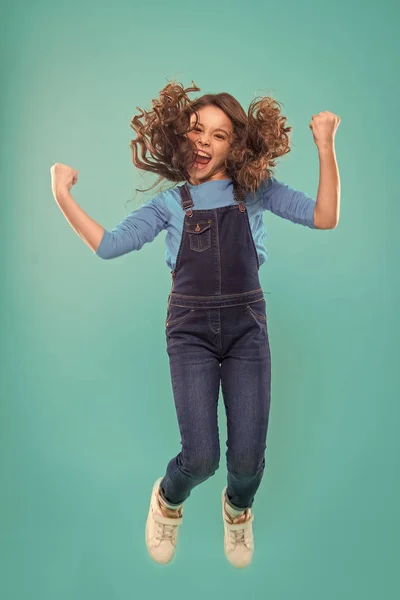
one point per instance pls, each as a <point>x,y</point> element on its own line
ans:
<point>246,466</point>
<point>202,466</point>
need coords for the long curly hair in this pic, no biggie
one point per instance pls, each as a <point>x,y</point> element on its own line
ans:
<point>161,146</point>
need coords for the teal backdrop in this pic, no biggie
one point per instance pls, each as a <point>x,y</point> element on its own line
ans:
<point>87,415</point>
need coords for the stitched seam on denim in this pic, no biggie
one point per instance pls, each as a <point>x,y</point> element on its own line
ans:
<point>252,239</point>
<point>195,239</point>
<point>217,258</point>
<point>176,295</point>
<point>173,321</point>
<point>256,315</point>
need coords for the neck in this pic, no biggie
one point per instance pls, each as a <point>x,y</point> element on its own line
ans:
<point>195,181</point>
<point>219,174</point>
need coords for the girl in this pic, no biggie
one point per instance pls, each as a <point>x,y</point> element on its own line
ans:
<point>216,323</point>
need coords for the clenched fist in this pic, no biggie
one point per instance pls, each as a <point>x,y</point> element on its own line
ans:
<point>63,178</point>
<point>324,126</point>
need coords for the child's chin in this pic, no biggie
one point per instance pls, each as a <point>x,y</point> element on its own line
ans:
<point>200,170</point>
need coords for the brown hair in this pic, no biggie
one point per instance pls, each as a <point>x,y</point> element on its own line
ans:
<point>259,137</point>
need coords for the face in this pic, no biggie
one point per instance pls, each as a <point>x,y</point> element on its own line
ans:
<point>213,135</point>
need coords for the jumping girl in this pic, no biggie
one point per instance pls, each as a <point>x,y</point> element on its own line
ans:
<point>216,323</point>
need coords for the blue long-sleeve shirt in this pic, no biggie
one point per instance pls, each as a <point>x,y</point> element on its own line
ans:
<point>164,211</point>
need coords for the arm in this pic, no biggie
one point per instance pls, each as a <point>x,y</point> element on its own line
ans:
<point>90,231</point>
<point>327,208</point>
<point>288,203</point>
<point>324,126</point>
<point>139,227</point>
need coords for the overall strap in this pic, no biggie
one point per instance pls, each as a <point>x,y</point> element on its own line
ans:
<point>186,199</point>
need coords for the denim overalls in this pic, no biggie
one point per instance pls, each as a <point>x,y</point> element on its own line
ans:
<point>216,332</point>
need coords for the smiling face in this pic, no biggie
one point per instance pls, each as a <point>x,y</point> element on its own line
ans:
<point>213,136</point>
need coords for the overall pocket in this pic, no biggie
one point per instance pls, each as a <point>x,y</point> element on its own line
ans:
<point>199,233</point>
<point>258,310</point>
<point>177,314</point>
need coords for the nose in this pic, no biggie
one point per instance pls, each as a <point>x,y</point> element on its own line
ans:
<point>203,139</point>
<point>203,146</point>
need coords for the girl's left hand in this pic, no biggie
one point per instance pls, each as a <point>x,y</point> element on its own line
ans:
<point>324,126</point>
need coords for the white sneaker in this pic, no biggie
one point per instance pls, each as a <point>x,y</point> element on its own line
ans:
<point>161,531</point>
<point>238,536</point>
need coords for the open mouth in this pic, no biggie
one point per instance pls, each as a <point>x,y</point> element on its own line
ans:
<point>201,159</point>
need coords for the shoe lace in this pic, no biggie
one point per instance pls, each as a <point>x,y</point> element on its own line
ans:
<point>238,536</point>
<point>166,532</point>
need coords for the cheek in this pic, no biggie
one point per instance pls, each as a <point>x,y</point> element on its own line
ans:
<point>191,135</point>
<point>223,152</point>
<point>192,138</point>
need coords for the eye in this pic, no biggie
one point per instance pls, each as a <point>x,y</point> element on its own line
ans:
<point>221,137</point>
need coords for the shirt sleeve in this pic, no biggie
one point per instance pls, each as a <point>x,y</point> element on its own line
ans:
<point>137,229</point>
<point>288,203</point>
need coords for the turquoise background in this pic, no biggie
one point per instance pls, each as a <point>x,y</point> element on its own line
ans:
<point>87,415</point>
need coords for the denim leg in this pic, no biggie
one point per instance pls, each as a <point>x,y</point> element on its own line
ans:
<point>195,378</point>
<point>246,382</point>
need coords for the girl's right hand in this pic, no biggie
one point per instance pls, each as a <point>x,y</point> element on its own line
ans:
<point>63,177</point>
